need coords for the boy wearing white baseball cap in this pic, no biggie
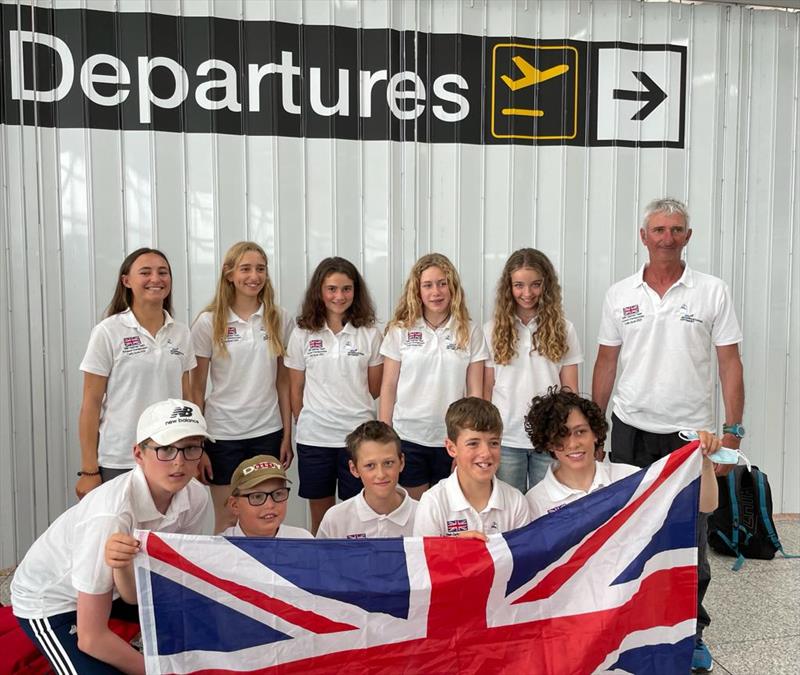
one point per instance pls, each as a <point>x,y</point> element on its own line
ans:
<point>63,592</point>
<point>259,497</point>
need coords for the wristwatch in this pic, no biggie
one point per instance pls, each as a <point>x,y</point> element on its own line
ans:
<point>735,429</point>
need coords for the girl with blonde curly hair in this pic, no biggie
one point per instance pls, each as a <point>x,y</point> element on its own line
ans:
<point>433,355</point>
<point>532,347</point>
<point>240,339</point>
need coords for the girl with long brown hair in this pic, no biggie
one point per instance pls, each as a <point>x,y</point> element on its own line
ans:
<point>136,356</point>
<point>335,373</point>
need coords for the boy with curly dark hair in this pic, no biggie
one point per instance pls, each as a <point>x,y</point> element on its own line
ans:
<point>570,428</point>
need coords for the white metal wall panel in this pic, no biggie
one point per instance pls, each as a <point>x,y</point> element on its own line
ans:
<point>75,201</point>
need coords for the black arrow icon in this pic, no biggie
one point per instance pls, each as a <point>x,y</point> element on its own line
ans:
<point>654,95</point>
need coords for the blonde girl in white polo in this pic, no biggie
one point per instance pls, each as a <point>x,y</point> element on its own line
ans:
<point>240,340</point>
<point>433,355</point>
<point>532,347</point>
<point>136,356</point>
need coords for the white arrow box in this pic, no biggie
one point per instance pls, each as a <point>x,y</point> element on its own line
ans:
<point>616,67</point>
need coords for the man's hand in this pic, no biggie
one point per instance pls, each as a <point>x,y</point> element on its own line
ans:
<point>121,550</point>
<point>85,484</point>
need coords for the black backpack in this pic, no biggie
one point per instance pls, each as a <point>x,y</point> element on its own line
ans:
<point>742,525</point>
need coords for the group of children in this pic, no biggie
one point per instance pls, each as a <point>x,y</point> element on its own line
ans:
<point>64,602</point>
<point>252,368</point>
<point>477,432</point>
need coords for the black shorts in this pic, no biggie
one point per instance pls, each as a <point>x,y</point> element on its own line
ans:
<point>630,445</point>
<point>321,469</point>
<point>225,456</point>
<point>424,464</point>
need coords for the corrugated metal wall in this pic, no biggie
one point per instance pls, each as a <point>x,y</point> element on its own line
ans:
<point>74,201</point>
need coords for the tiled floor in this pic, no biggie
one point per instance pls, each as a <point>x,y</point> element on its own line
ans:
<point>755,612</point>
<point>755,628</point>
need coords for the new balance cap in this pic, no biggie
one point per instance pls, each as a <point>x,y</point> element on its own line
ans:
<point>168,421</point>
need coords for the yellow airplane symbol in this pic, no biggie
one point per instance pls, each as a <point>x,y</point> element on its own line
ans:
<point>532,75</point>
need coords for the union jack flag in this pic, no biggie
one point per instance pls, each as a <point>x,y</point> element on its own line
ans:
<point>315,344</point>
<point>606,584</point>
<point>132,341</point>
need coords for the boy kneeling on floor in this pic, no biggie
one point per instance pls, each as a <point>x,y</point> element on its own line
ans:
<point>63,591</point>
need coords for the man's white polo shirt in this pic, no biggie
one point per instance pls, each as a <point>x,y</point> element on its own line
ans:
<point>444,510</point>
<point>336,396</point>
<point>284,532</point>
<point>355,519</point>
<point>665,381</point>
<point>550,494</point>
<point>141,369</point>
<point>70,556</point>
<point>243,402</point>
<point>433,374</point>
<point>527,375</point>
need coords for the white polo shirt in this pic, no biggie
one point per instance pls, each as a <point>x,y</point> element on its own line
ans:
<point>141,369</point>
<point>550,495</point>
<point>70,556</point>
<point>444,510</point>
<point>243,402</point>
<point>336,396</point>
<point>284,532</point>
<point>664,380</point>
<point>433,374</point>
<point>355,519</point>
<point>527,375</point>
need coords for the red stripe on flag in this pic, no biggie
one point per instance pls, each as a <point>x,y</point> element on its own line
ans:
<point>561,574</point>
<point>462,571</point>
<point>570,645</point>
<point>305,619</point>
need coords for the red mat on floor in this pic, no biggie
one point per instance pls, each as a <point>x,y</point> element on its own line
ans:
<point>19,655</point>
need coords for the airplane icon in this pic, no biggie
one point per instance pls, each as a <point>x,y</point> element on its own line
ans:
<point>532,75</point>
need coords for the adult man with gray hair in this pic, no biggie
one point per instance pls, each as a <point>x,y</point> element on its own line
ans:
<point>659,326</point>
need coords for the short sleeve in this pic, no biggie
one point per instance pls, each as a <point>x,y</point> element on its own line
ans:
<point>522,512</point>
<point>478,350</point>
<point>294,351</point>
<point>534,508</point>
<point>608,333</point>
<point>202,342</point>
<point>99,357</point>
<point>375,357</point>
<point>488,327</point>
<point>188,360</point>
<point>90,574</point>
<point>427,519</point>
<point>288,326</point>
<point>324,531</point>
<point>574,354</point>
<point>726,330</point>
<point>390,347</point>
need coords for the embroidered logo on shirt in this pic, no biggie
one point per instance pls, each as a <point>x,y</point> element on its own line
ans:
<point>316,347</point>
<point>556,508</point>
<point>357,535</point>
<point>456,526</point>
<point>631,314</point>
<point>133,345</point>
<point>175,351</point>
<point>450,343</point>
<point>232,335</point>
<point>687,316</point>
<point>264,334</point>
<point>352,350</point>
<point>414,338</point>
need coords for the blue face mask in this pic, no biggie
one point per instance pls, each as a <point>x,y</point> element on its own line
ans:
<point>721,456</point>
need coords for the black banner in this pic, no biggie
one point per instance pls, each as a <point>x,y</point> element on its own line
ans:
<point>73,68</point>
